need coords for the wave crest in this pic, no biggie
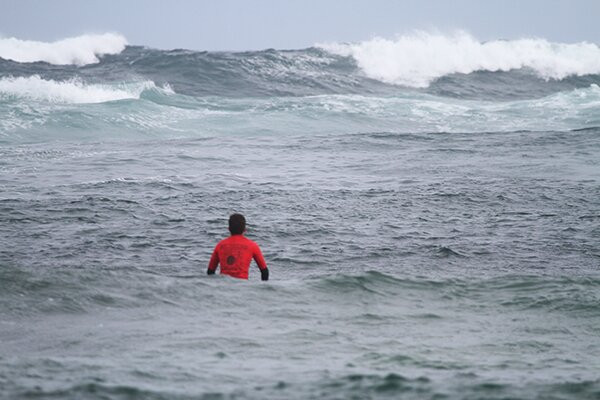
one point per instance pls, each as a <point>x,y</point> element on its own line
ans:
<point>80,50</point>
<point>72,91</point>
<point>417,59</point>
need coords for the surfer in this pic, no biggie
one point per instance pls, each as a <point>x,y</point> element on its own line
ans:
<point>236,252</point>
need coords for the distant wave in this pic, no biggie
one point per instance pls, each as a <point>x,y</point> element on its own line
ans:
<point>153,108</point>
<point>455,66</point>
<point>417,59</point>
<point>80,50</point>
<point>71,91</point>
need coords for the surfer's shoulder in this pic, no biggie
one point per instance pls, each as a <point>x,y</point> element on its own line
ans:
<point>249,241</point>
<point>223,241</point>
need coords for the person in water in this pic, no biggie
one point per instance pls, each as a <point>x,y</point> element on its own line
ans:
<point>236,252</point>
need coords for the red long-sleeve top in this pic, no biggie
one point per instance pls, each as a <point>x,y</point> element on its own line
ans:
<point>235,254</point>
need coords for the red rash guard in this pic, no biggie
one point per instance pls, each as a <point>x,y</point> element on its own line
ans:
<point>235,254</point>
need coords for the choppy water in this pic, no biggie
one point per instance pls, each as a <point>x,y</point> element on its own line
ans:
<point>427,237</point>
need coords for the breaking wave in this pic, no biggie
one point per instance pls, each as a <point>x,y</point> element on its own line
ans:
<point>73,91</point>
<point>417,59</point>
<point>80,50</point>
<point>500,86</point>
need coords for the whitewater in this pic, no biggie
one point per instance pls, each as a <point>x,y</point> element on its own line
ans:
<point>428,205</point>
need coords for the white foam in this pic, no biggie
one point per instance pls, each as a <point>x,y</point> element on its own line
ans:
<point>417,59</point>
<point>80,50</point>
<point>71,91</point>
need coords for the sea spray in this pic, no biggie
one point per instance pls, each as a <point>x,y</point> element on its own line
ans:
<point>80,50</point>
<point>417,59</point>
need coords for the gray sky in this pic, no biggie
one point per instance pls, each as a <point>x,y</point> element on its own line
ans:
<point>285,24</point>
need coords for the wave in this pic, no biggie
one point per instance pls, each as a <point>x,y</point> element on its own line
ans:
<point>521,292</point>
<point>449,66</point>
<point>73,91</point>
<point>67,290</point>
<point>361,384</point>
<point>393,385</point>
<point>35,109</point>
<point>80,50</point>
<point>298,91</point>
<point>417,59</point>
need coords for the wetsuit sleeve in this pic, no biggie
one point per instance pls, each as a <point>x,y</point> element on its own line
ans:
<point>260,261</point>
<point>214,261</point>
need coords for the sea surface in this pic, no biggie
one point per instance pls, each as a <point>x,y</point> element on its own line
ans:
<point>428,206</point>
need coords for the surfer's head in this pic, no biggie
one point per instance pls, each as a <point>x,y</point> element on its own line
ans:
<point>237,224</point>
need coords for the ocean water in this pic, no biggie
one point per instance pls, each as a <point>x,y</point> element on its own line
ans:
<point>428,206</point>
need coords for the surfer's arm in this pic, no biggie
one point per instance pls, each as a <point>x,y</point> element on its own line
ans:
<point>260,261</point>
<point>214,261</point>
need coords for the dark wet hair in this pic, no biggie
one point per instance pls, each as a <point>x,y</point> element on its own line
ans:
<point>237,224</point>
